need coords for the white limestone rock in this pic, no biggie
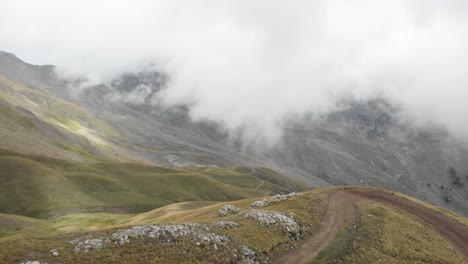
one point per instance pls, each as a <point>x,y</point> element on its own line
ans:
<point>228,209</point>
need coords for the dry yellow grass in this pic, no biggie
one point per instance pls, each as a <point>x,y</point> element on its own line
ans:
<point>389,235</point>
<point>383,235</point>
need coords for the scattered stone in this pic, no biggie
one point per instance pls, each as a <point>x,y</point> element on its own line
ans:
<point>228,209</point>
<point>54,252</point>
<point>199,235</point>
<point>272,218</point>
<point>261,203</point>
<point>279,197</point>
<point>225,224</point>
<point>89,245</point>
<point>196,234</point>
<point>275,199</point>
<point>248,255</point>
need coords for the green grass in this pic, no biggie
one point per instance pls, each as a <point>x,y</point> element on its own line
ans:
<point>382,234</point>
<point>263,179</point>
<point>76,150</point>
<point>75,128</point>
<point>13,119</point>
<point>43,187</point>
<point>341,246</point>
<point>48,234</point>
<point>388,235</point>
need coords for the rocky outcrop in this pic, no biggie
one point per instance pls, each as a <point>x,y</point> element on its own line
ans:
<point>189,234</point>
<point>272,218</point>
<point>275,199</point>
<point>265,217</point>
<point>225,224</point>
<point>196,234</point>
<point>89,244</point>
<point>228,209</point>
<point>261,203</point>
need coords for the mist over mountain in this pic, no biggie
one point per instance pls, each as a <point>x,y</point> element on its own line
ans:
<point>248,66</point>
<point>361,142</point>
<point>327,131</point>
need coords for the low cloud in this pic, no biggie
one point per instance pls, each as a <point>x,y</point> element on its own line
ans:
<point>251,63</point>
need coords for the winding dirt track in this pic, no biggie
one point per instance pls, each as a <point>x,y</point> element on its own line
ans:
<point>340,211</point>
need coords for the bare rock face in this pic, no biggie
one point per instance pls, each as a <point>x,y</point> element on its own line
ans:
<point>228,209</point>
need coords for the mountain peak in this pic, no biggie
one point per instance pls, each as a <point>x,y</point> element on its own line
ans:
<point>17,70</point>
<point>9,56</point>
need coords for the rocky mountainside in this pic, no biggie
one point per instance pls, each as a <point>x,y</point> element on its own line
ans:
<point>369,144</point>
<point>363,143</point>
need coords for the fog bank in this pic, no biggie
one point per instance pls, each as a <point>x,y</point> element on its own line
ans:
<point>251,63</point>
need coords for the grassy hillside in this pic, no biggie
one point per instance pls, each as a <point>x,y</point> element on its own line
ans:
<point>54,234</point>
<point>380,234</point>
<point>35,122</point>
<point>386,235</point>
<point>43,187</point>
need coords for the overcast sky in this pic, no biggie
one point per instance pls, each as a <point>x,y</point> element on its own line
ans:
<point>256,61</point>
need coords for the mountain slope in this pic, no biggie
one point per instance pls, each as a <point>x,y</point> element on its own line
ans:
<point>370,144</point>
<point>38,123</point>
<point>378,231</point>
<point>45,187</point>
<point>362,143</point>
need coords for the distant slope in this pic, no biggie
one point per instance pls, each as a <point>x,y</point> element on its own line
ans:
<point>378,232</point>
<point>370,143</point>
<point>43,187</point>
<point>32,121</point>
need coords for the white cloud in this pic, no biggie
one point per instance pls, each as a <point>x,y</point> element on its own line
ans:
<point>254,62</point>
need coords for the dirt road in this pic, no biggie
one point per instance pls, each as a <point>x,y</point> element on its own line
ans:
<point>340,211</point>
